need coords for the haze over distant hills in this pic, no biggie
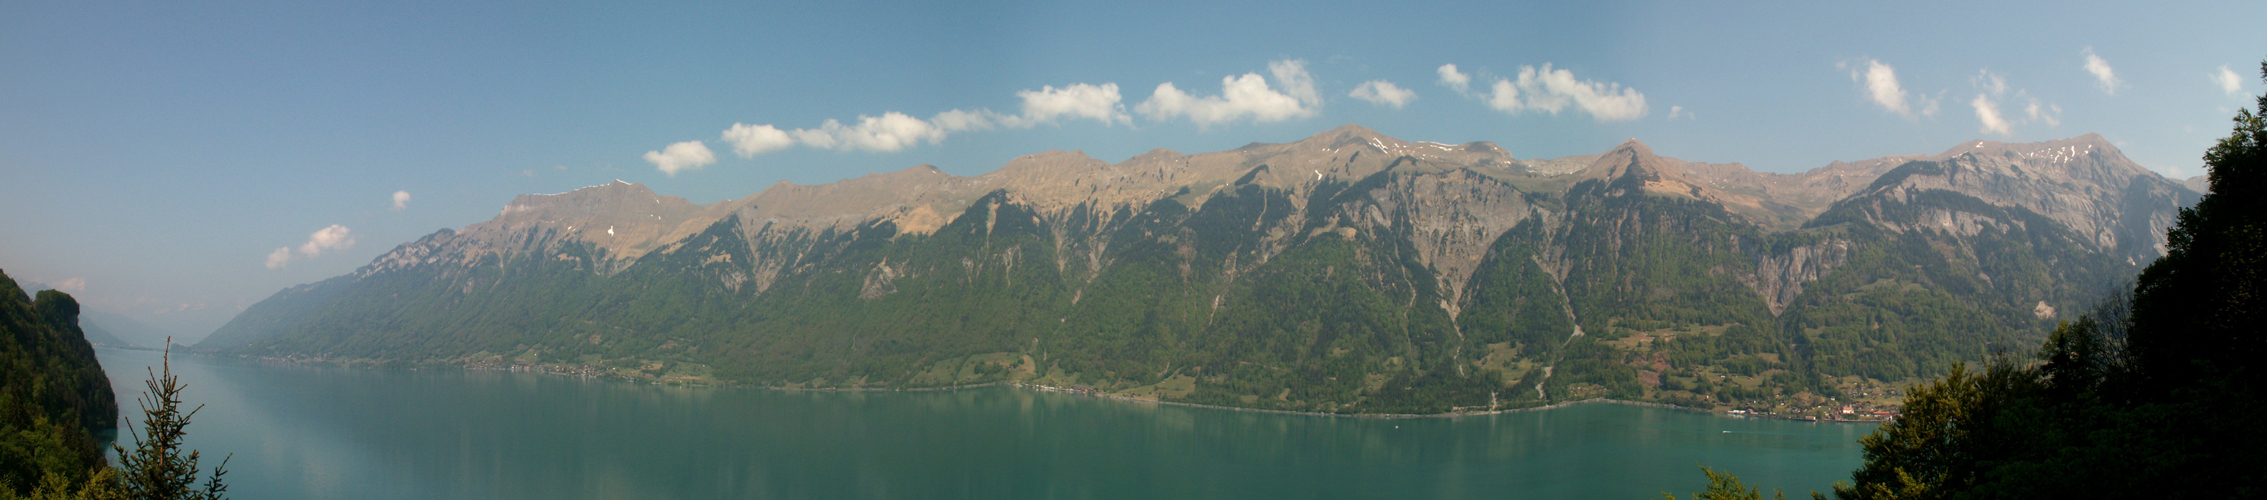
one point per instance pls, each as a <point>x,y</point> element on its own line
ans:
<point>1347,272</point>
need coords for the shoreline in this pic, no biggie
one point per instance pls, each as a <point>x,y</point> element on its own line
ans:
<point>1402,416</point>
<point>1052,389</point>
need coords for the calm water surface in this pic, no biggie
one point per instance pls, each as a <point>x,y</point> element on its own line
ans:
<point>320,432</point>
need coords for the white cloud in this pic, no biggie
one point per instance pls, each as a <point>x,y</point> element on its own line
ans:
<point>1553,90</point>
<point>401,200</point>
<point>1884,90</point>
<point>1505,97</point>
<point>73,285</point>
<point>1241,97</point>
<point>2049,114</point>
<point>1291,94</point>
<point>2105,77</point>
<point>893,131</point>
<point>335,237</point>
<point>751,140</point>
<point>958,120</point>
<point>1676,112</point>
<point>1455,80</point>
<point>1383,93</point>
<point>1986,105</point>
<point>1990,83</point>
<point>1292,75</point>
<point>1993,90</point>
<point>1988,113</point>
<point>681,156</point>
<point>2229,81</point>
<point>277,259</point>
<point>1079,100</point>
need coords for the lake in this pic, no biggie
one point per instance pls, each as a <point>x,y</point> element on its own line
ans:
<point>328,432</point>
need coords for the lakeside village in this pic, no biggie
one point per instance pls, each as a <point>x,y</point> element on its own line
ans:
<point>1856,411</point>
<point>1870,402</point>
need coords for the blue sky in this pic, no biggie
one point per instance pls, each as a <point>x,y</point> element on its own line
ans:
<point>160,156</point>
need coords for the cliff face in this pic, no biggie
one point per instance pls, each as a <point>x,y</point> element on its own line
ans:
<point>1349,271</point>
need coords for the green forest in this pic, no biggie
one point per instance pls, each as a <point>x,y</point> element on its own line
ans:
<point>54,398</point>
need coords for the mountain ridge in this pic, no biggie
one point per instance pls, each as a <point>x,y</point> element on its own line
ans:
<point>1315,275</point>
<point>922,197</point>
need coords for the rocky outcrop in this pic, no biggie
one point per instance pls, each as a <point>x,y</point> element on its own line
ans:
<point>880,282</point>
<point>1452,219</point>
<point>1779,277</point>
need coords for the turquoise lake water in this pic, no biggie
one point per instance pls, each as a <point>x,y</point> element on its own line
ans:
<point>325,432</point>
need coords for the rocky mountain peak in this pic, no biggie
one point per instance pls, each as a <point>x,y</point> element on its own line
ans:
<point>622,218</point>
<point>1050,163</point>
<point>1637,164</point>
<point>2083,182</point>
<point>881,195</point>
<point>1158,154</point>
<point>1351,135</point>
<point>1347,135</point>
<point>2083,163</point>
<point>1772,200</point>
<point>1634,146</point>
<point>600,201</point>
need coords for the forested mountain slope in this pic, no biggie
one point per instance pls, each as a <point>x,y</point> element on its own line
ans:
<point>53,394</point>
<point>1347,272</point>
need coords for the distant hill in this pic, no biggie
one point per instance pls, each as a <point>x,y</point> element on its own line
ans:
<point>2200,183</point>
<point>1347,272</point>
<point>104,328</point>
<point>97,335</point>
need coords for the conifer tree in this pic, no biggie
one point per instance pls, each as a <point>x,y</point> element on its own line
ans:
<point>1725,486</point>
<point>156,469</point>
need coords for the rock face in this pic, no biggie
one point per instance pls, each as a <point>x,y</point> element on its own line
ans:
<point>1779,277</point>
<point>1349,271</point>
<point>2083,183</point>
<point>618,221</point>
<point>1451,219</point>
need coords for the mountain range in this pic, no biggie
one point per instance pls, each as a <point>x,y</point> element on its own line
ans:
<point>1348,272</point>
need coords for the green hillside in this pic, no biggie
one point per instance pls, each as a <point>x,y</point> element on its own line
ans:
<point>53,395</point>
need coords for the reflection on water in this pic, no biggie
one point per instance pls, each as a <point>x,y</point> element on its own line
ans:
<point>321,432</point>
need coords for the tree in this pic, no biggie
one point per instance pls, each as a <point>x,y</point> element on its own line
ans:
<point>1725,486</point>
<point>102,484</point>
<point>1952,431</point>
<point>2196,311</point>
<point>156,469</point>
